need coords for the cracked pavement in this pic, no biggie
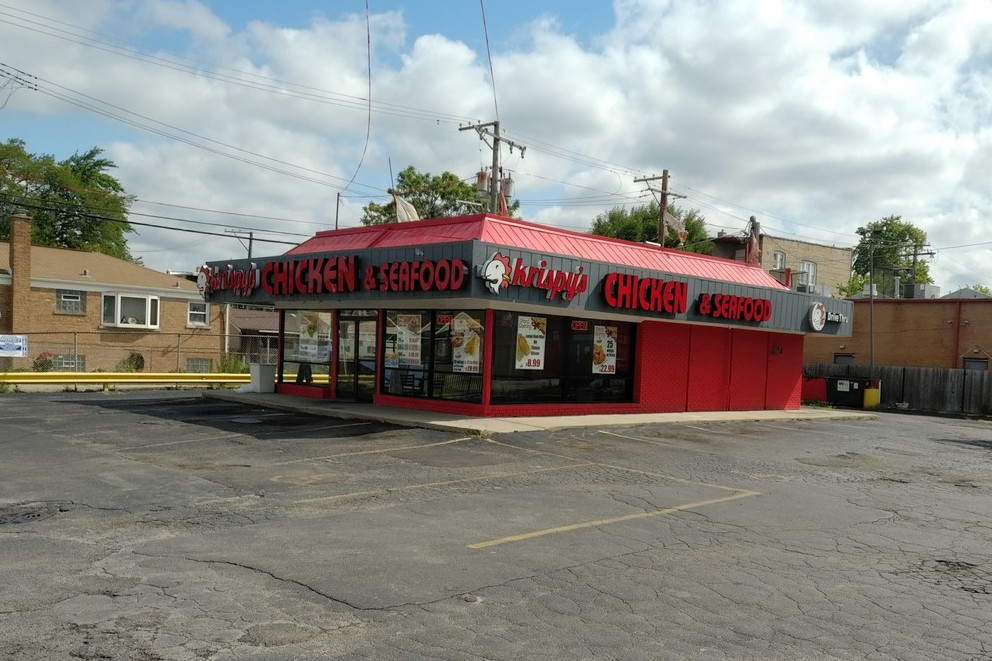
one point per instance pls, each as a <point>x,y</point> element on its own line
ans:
<point>158,525</point>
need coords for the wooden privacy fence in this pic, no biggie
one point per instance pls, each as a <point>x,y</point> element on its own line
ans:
<point>922,388</point>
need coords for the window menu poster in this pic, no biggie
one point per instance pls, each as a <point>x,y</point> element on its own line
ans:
<point>466,343</point>
<point>408,341</point>
<point>309,342</point>
<point>531,335</point>
<point>604,350</point>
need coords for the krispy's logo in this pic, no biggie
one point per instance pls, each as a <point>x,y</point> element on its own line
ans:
<point>496,272</point>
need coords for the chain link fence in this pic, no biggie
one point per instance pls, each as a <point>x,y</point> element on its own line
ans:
<point>143,352</point>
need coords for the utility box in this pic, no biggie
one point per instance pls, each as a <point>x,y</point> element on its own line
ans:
<point>263,377</point>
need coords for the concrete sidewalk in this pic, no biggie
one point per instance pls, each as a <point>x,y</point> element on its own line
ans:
<point>488,426</point>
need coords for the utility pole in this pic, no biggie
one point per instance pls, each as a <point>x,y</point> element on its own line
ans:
<point>663,193</point>
<point>494,181</point>
<point>239,234</point>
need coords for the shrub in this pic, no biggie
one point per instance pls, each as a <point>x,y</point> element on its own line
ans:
<point>232,363</point>
<point>43,363</point>
<point>135,362</point>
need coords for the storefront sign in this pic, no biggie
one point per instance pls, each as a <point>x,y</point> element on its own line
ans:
<point>498,273</point>
<point>817,316</point>
<point>604,350</point>
<point>531,332</point>
<point>239,282</point>
<point>652,294</point>
<point>734,308</point>
<point>13,346</point>
<point>423,275</point>
<point>319,275</point>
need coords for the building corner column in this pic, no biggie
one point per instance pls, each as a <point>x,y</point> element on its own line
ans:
<point>20,271</point>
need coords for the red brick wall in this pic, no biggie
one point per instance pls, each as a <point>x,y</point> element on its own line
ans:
<point>709,368</point>
<point>663,364</point>
<point>785,371</point>
<point>748,370</point>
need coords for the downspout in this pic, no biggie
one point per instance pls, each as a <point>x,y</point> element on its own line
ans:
<point>957,336</point>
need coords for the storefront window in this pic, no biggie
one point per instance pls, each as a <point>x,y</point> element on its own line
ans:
<point>306,351</point>
<point>540,358</point>
<point>434,354</point>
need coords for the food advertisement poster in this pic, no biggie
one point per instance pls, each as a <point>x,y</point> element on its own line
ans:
<point>309,342</point>
<point>408,342</point>
<point>604,350</point>
<point>466,344</point>
<point>531,332</point>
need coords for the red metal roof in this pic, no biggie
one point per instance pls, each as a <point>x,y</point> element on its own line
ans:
<point>514,233</point>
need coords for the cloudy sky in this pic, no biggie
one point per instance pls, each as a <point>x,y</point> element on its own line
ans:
<point>816,116</point>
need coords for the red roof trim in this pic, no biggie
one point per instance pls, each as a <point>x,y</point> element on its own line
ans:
<point>514,233</point>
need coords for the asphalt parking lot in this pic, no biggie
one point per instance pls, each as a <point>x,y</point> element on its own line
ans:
<point>165,526</point>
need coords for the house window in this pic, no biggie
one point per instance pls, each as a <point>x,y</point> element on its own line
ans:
<point>778,261</point>
<point>69,301</point>
<point>129,311</point>
<point>809,268</point>
<point>198,365</point>
<point>976,364</point>
<point>197,315</point>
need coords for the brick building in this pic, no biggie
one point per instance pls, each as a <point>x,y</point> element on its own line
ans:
<point>804,266</point>
<point>86,311</point>
<point>933,332</point>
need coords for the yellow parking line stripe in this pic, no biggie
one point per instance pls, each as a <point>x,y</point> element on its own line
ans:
<point>426,485</point>
<point>606,522</point>
<point>357,453</point>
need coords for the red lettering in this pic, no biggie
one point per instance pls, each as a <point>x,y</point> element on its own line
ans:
<point>457,274</point>
<point>748,309</point>
<point>642,300</point>
<point>427,276</point>
<point>442,275</point>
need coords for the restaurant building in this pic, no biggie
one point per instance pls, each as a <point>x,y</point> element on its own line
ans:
<point>490,316</point>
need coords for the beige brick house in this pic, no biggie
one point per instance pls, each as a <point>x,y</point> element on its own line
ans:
<point>804,266</point>
<point>86,311</point>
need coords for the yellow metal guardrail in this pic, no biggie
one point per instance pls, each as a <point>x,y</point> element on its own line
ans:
<point>109,378</point>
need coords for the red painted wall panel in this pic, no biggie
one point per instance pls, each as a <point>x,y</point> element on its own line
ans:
<point>709,368</point>
<point>663,365</point>
<point>748,370</point>
<point>785,371</point>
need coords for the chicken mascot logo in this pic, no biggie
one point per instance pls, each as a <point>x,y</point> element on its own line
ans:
<point>496,272</point>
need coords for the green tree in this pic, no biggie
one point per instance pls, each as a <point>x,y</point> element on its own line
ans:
<point>886,250</point>
<point>432,196</point>
<point>74,203</point>
<point>982,289</point>
<point>641,224</point>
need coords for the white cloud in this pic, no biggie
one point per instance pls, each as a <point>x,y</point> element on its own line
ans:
<point>815,116</point>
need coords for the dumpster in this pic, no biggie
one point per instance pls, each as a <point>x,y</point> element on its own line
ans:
<point>847,391</point>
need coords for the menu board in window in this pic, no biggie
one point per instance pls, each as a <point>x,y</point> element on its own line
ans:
<point>408,341</point>
<point>531,332</point>
<point>309,341</point>
<point>604,350</point>
<point>466,343</point>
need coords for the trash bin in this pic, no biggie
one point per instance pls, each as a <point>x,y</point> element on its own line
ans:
<point>847,391</point>
<point>263,377</point>
<point>873,394</point>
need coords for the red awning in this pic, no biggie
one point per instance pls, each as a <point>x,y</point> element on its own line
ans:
<point>513,233</point>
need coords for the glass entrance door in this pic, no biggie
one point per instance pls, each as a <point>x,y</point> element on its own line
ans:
<point>356,357</point>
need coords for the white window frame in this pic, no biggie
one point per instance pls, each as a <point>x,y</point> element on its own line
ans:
<point>152,313</point>
<point>778,260</point>
<point>809,268</point>
<point>76,301</point>
<point>198,318</point>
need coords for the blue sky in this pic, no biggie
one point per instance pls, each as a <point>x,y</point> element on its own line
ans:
<point>816,116</point>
